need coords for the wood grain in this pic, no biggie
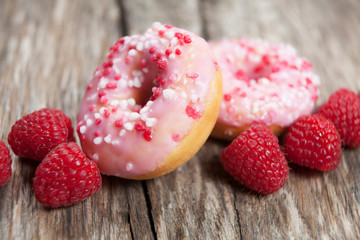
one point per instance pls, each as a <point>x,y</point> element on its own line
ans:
<point>48,51</point>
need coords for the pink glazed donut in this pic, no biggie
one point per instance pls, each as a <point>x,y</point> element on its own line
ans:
<point>262,83</point>
<point>152,104</point>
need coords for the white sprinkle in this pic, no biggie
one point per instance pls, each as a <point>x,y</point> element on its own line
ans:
<point>149,103</point>
<point>172,56</point>
<point>153,89</point>
<point>122,83</point>
<point>131,101</point>
<point>144,109</point>
<point>115,142</point>
<point>143,117</point>
<point>147,44</point>
<point>145,70</point>
<point>163,41</point>
<point>169,34</point>
<point>129,126</point>
<point>153,42</point>
<point>137,82</point>
<point>150,122</point>
<point>134,116</point>
<point>114,103</point>
<point>97,115</point>
<point>92,97</point>
<point>97,140</point>
<point>102,110</point>
<point>126,40</point>
<point>264,81</point>
<point>107,139</point>
<point>174,41</point>
<point>142,38</point>
<point>86,117</point>
<point>95,157</point>
<point>183,94</point>
<point>194,97</point>
<point>156,25</point>
<point>89,122</point>
<point>133,43</point>
<point>169,94</point>
<point>82,129</point>
<point>123,103</point>
<point>130,83</point>
<point>132,52</point>
<point>102,83</point>
<point>122,132</point>
<point>140,46</point>
<point>136,73</point>
<point>129,166</point>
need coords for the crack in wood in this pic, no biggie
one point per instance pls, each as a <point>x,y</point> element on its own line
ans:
<point>122,21</point>
<point>149,208</point>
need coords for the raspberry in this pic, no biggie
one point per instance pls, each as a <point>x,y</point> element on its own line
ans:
<point>255,160</point>
<point>71,137</point>
<point>5,163</point>
<point>66,177</point>
<point>343,109</point>
<point>34,135</point>
<point>313,141</point>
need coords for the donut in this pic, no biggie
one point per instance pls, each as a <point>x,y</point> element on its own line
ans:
<point>151,104</point>
<point>262,83</point>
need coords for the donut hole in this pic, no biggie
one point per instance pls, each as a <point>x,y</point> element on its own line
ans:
<point>253,72</point>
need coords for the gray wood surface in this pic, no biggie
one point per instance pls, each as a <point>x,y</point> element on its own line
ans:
<point>48,52</point>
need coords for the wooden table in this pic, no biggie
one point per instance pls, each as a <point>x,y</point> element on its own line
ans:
<point>48,51</point>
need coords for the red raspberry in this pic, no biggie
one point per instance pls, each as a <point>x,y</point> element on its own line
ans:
<point>254,159</point>
<point>34,135</point>
<point>5,163</point>
<point>343,109</point>
<point>66,177</point>
<point>314,142</point>
<point>71,137</point>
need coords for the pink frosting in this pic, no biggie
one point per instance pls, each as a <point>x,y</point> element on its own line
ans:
<point>263,83</point>
<point>144,99</point>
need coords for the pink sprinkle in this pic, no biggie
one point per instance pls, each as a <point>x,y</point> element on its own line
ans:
<point>114,109</point>
<point>187,39</point>
<point>107,113</point>
<point>117,77</point>
<point>143,63</point>
<point>121,40</point>
<point>227,97</point>
<point>103,100</point>
<point>266,60</point>
<point>168,26</point>
<point>308,81</point>
<point>192,75</point>
<point>111,85</point>
<point>160,79</point>
<point>152,49</point>
<point>97,134</point>
<point>216,66</point>
<point>192,112</point>
<point>98,121</point>
<point>168,51</point>
<point>115,47</point>
<point>178,51</point>
<point>161,32</point>
<point>127,59</point>
<point>89,87</point>
<point>107,71</point>
<point>101,94</point>
<point>147,135</point>
<point>139,126</point>
<point>159,55</point>
<point>111,56</point>
<point>176,137</point>
<point>239,74</point>
<point>118,123</point>
<point>243,94</point>
<point>179,35</point>
<point>162,64</point>
<point>155,94</point>
<point>91,108</point>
